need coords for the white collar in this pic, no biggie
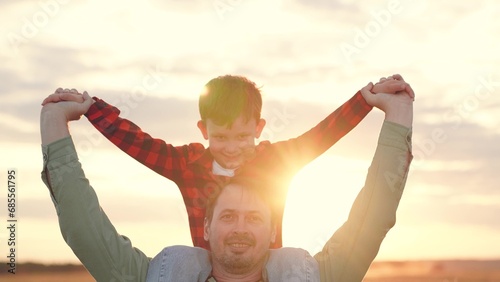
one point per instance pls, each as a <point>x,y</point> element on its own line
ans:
<point>217,169</point>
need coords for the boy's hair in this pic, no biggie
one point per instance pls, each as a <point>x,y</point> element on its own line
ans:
<point>227,97</point>
<point>259,188</point>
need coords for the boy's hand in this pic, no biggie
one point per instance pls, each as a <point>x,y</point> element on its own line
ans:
<point>54,118</point>
<point>385,101</point>
<point>71,110</point>
<point>60,95</point>
<point>397,107</point>
<point>393,84</point>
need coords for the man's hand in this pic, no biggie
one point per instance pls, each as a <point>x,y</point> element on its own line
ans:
<point>393,84</point>
<point>72,109</point>
<point>64,95</point>
<point>397,107</point>
<point>54,118</point>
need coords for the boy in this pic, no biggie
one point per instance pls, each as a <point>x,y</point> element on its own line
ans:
<point>230,110</point>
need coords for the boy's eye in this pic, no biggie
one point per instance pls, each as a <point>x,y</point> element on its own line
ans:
<point>244,136</point>
<point>220,138</point>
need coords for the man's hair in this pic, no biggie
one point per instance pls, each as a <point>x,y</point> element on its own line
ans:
<point>227,97</point>
<point>257,187</point>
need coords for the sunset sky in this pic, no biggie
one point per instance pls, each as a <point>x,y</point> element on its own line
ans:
<point>152,58</point>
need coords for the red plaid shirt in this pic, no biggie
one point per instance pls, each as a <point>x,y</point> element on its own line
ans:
<point>190,166</point>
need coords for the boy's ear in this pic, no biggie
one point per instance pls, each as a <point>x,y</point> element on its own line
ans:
<point>203,128</point>
<point>206,229</point>
<point>260,127</point>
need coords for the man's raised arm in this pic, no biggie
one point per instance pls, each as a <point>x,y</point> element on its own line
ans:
<point>85,227</point>
<point>350,251</point>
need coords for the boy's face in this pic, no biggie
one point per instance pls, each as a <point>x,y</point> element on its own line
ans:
<point>231,147</point>
<point>240,230</point>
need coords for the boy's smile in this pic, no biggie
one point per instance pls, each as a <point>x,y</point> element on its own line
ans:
<point>231,146</point>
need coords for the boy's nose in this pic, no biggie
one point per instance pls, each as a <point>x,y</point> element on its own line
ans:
<point>244,144</point>
<point>232,147</point>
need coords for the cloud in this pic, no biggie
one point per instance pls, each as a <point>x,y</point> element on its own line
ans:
<point>326,4</point>
<point>448,133</point>
<point>338,11</point>
<point>10,123</point>
<point>10,82</point>
<point>42,67</point>
<point>182,5</point>
<point>118,207</point>
<point>460,207</point>
<point>468,147</point>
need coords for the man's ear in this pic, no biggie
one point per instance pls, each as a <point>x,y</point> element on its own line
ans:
<point>203,128</point>
<point>206,231</point>
<point>260,127</point>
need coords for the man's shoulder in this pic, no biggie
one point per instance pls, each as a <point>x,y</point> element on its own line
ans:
<point>184,251</point>
<point>180,263</point>
<point>291,264</point>
<point>288,254</point>
<point>263,145</point>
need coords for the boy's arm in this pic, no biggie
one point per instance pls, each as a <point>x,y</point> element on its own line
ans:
<point>85,227</point>
<point>297,152</point>
<point>165,159</point>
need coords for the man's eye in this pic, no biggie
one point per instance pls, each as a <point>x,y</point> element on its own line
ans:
<point>227,217</point>
<point>220,138</point>
<point>255,218</point>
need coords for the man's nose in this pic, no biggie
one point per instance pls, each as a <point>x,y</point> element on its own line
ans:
<point>240,226</point>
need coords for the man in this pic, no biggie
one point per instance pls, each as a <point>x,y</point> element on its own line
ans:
<point>239,226</point>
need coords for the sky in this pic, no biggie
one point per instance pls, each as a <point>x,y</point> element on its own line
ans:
<point>151,59</point>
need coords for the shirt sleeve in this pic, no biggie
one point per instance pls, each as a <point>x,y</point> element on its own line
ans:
<point>297,152</point>
<point>349,252</point>
<point>85,227</point>
<point>163,158</point>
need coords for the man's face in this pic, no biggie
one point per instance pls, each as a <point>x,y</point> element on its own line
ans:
<point>231,147</point>
<point>240,231</point>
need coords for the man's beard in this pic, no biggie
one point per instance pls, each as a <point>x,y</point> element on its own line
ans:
<point>235,263</point>
<point>238,263</point>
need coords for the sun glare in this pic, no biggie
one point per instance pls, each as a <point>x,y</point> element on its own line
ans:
<point>319,200</point>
